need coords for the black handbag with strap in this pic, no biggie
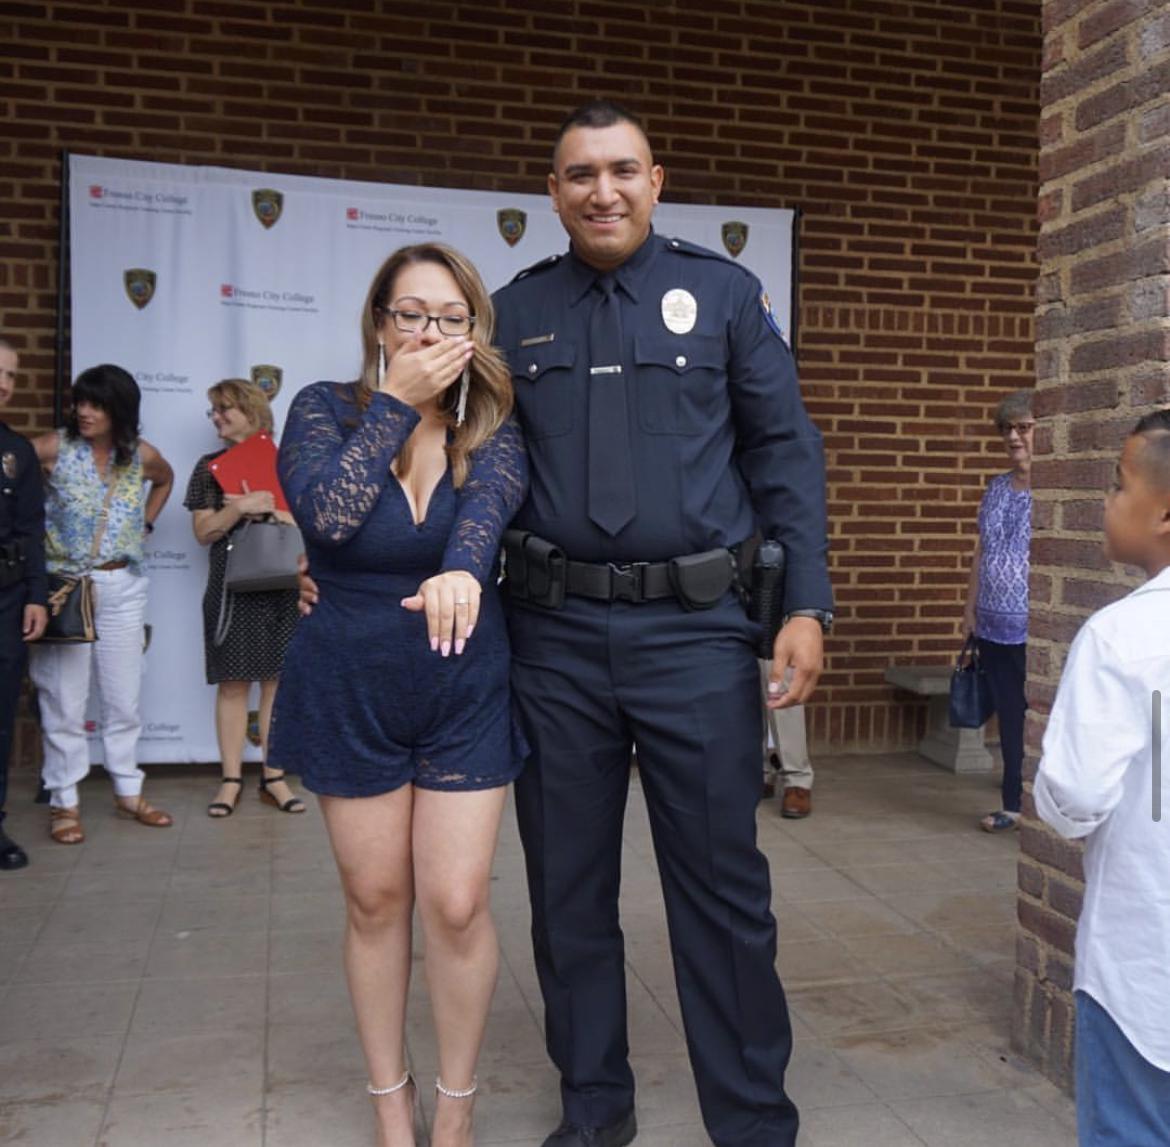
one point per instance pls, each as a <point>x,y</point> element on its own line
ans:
<point>72,602</point>
<point>971,703</point>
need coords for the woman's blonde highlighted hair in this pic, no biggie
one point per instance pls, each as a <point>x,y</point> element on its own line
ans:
<point>247,398</point>
<point>489,396</point>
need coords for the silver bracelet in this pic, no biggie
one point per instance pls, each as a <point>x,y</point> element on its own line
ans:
<point>392,1088</point>
<point>453,1093</point>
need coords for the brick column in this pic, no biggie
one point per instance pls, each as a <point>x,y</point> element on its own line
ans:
<point>1102,360</point>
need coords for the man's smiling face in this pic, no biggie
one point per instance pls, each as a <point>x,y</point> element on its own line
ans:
<point>605,187</point>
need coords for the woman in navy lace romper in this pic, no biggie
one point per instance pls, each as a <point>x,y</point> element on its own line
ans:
<point>394,705</point>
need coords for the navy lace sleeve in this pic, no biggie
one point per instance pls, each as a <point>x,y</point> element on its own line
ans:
<point>492,494</point>
<point>332,468</point>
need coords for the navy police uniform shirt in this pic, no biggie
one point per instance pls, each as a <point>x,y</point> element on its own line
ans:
<point>721,441</point>
<point>22,509</point>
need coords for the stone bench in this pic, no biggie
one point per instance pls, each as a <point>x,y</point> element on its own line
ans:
<point>960,750</point>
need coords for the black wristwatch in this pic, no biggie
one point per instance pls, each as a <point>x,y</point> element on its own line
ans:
<point>824,616</point>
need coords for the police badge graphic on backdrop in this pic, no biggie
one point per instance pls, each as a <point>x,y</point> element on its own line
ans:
<point>267,205</point>
<point>511,222</point>
<point>139,284</point>
<point>735,237</point>
<point>268,378</point>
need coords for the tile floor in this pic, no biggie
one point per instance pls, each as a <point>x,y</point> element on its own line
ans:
<point>184,987</point>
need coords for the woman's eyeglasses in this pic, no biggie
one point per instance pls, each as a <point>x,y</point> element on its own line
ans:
<point>1021,428</point>
<point>212,411</point>
<point>415,322</point>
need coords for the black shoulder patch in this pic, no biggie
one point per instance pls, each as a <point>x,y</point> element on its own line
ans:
<point>536,268</point>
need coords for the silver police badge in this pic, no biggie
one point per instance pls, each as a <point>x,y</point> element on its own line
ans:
<point>139,284</point>
<point>267,206</point>
<point>8,464</point>
<point>511,222</point>
<point>679,311</point>
<point>735,237</point>
<point>268,378</point>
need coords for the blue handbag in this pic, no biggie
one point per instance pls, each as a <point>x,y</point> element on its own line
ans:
<point>971,701</point>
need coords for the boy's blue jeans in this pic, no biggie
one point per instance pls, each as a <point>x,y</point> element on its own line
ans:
<point>1123,1100</point>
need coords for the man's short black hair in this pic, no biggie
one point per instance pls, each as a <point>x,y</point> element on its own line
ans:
<point>1154,460</point>
<point>597,113</point>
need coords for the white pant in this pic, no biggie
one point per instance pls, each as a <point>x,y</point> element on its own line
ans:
<point>784,730</point>
<point>62,675</point>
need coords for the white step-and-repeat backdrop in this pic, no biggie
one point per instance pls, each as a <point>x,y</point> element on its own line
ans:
<point>188,275</point>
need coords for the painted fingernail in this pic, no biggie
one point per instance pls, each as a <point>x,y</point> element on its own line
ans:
<point>460,644</point>
<point>774,688</point>
<point>434,644</point>
<point>446,648</point>
<point>470,631</point>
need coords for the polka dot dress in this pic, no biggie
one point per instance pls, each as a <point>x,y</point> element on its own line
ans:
<point>262,623</point>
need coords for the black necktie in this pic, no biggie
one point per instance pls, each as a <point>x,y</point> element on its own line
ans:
<point>611,468</point>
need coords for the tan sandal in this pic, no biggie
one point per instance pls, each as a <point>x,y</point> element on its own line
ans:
<point>143,813</point>
<point>65,825</point>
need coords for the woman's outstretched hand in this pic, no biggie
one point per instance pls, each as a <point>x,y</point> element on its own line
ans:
<point>451,603</point>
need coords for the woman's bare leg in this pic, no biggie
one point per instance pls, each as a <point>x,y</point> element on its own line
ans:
<point>231,727</point>
<point>371,843</point>
<point>454,842</point>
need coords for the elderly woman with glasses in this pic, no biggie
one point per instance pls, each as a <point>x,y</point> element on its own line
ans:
<point>996,608</point>
<point>261,623</point>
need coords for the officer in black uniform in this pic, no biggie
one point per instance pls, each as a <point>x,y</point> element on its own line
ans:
<point>664,423</point>
<point>23,586</point>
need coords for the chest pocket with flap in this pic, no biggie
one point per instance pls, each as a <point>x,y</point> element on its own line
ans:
<point>681,382</point>
<point>542,377</point>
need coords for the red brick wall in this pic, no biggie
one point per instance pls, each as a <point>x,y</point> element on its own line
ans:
<point>905,131</point>
<point>1103,359</point>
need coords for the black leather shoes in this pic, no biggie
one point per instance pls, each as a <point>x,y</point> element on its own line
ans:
<point>616,1134</point>
<point>12,856</point>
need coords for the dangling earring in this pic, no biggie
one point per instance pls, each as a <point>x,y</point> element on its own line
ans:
<point>461,405</point>
<point>381,364</point>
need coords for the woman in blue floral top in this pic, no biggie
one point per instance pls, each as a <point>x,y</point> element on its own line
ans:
<point>394,701</point>
<point>996,609</point>
<point>103,482</point>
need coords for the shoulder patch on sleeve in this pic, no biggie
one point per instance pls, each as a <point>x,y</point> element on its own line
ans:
<point>536,268</point>
<point>770,315</point>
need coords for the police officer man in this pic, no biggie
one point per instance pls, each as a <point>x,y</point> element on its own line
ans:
<point>23,586</point>
<point>664,424</point>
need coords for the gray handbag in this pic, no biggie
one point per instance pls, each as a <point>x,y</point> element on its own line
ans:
<point>261,556</point>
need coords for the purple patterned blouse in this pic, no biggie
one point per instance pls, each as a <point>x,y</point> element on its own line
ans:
<point>1005,533</point>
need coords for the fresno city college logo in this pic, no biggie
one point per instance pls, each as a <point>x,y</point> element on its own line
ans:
<point>268,378</point>
<point>511,221</point>
<point>735,237</point>
<point>139,284</point>
<point>353,214</point>
<point>267,206</point>
<point>96,191</point>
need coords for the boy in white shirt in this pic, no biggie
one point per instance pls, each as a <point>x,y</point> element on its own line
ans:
<point>1101,778</point>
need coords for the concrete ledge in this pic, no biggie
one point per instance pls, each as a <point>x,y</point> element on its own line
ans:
<point>959,750</point>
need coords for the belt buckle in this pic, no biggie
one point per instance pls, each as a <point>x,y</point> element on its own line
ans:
<point>625,581</point>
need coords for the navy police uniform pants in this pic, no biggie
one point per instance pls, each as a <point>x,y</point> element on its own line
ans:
<point>589,680</point>
<point>12,657</point>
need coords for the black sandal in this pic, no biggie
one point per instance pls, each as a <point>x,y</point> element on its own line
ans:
<point>293,804</point>
<point>217,810</point>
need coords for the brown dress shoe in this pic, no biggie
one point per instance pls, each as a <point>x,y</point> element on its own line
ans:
<point>796,803</point>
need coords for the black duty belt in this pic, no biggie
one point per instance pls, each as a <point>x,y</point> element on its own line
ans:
<point>619,581</point>
<point>538,571</point>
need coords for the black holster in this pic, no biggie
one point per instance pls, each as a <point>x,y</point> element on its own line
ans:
<point>766,599</point>
<point>13,564</point>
